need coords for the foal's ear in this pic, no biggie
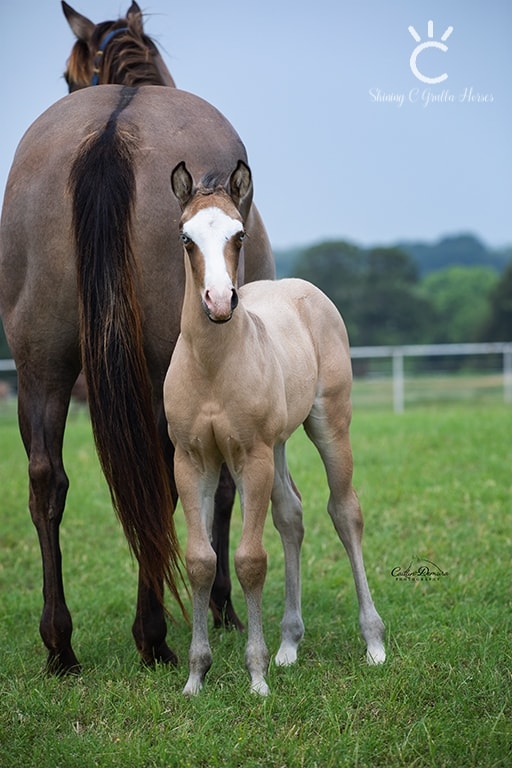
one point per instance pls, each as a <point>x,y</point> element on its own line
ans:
<point>134,17</point>
<point>80,25</point>
<point>240,187</point>
<point>182,184</point>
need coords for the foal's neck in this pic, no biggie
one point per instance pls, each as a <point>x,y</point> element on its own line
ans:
<point>214,344</point>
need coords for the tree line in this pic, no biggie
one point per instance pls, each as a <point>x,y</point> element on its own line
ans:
<point>386,301</point>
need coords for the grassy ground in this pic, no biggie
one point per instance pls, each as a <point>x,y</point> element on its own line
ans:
<point>430,389</point>
<point>434,483</point>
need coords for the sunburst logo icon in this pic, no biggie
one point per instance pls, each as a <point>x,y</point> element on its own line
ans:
<point>430,43</point>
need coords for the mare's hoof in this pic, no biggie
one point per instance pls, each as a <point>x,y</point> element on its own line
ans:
<point>62,664</point>
<point>162,655</point>
<point>225,617</point>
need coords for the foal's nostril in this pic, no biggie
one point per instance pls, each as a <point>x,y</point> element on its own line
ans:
<point>234,300</point>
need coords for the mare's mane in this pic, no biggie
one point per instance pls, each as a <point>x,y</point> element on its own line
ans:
<point>128,59</point>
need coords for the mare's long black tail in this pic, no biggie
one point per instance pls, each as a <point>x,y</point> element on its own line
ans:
<point>102,182</point>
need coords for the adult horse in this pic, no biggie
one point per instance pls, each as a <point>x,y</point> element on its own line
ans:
<point>91,276</point>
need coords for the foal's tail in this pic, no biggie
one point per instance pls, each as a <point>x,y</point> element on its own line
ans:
<point>102,182</point>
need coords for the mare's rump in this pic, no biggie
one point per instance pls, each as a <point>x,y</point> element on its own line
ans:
<point>166,125</point>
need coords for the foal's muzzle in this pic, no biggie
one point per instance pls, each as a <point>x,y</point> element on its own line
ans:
<point>218,311</point>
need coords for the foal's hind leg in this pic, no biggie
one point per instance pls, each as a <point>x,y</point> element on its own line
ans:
<point>42,409</point>
<point>328,427</point>
<point>287,516</point>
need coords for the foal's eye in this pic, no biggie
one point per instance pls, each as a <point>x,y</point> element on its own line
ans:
<point>241,236</point>
<point>185,239</point>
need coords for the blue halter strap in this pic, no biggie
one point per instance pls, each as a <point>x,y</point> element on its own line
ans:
<point>99,53</point>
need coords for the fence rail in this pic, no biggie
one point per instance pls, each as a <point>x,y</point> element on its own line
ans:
<point>398,353</point>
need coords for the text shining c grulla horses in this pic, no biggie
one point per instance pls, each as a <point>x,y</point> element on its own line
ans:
<point>92,277</point>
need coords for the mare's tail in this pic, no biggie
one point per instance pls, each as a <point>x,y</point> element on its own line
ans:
<point>102,182</point>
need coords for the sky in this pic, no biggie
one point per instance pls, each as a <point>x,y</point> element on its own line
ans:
<point>347,137</point>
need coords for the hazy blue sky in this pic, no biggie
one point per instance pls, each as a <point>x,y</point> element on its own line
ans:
<point>343,139</point>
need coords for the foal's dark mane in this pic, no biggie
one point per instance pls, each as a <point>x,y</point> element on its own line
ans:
<point>211,182</point>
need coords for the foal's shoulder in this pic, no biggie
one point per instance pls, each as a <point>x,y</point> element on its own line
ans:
<point>292,291</point>
<point>292,287</point>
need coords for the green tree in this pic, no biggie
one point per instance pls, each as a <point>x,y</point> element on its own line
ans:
<point>376,291</point>
<point>459,296</point>
<point>393,311</point>
<point>498,326</point>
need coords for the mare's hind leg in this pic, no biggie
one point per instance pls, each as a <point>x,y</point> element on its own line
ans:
<point>328,427</point>
<point>287,516</point>
<point>220,602</point>
<point>42,409</point>
<point>149,628</point>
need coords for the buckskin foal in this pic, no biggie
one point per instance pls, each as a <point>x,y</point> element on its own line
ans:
<point>249,367</point>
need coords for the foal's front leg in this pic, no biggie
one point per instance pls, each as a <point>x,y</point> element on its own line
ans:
<point>251,559</point>
<point>197,494</point>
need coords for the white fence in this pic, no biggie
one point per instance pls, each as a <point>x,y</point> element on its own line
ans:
<point>397,355</point>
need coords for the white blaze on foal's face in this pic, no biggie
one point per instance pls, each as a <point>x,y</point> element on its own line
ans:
<point>218,237</point>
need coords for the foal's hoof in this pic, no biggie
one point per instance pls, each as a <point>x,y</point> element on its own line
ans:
<point>193,687</point>
<point>286,656</point>
<point>375,655</point>
<point>260,687</point>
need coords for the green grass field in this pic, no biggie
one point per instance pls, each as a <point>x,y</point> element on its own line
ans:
<point>434,482</point>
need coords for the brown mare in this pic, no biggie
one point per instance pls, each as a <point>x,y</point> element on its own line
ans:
<point>264,359</point>
<point>92,277</point>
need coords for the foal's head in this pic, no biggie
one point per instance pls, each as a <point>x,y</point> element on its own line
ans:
<point>212,231</point>
<point>113,52</point>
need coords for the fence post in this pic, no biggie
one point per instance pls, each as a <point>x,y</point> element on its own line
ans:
<point>507,373</point>
<point>398,380</point>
